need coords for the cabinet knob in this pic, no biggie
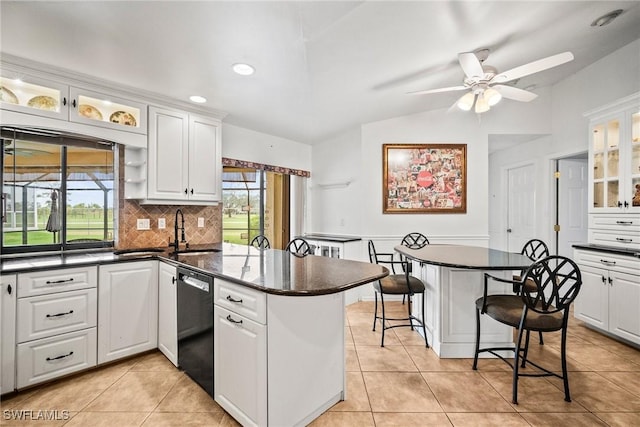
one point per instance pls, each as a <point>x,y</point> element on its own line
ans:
<point>610,281</point>
<point>192,192</point>
<point>73,103</point>
<point>64,100</point>
<point>173,279</point>
<point>604,280</point>
<point>619,204</point>
<point>626,204</point>
<point>9,289</point>
<point>186,191</point>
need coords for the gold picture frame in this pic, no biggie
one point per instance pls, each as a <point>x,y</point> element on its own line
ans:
<point>424,178</point>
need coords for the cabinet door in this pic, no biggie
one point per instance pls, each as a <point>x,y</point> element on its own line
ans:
<point>240,367</point>
<point>205,160</point>
<point>127,309</point>
<point>99,109</point>
<point>592,303</point>
<point>8,333</point>
<point>167,312</point>
<point>31,95</point>
<point>632,192</point>
<point>605,162</point>
<point>624,300</point>
<point>168,154</point>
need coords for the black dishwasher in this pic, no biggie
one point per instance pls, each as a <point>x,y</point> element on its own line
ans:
<point>195,326</point>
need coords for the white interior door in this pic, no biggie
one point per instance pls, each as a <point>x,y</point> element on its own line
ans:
<point>521,206</point>
<point>572,204</point>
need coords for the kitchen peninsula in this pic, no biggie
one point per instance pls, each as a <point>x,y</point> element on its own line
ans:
<point>279,323</point>
<point>454,279</point>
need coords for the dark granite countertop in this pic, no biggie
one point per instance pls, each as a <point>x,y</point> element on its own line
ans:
<point>272,271</point>
<point>331,237</point>
<point>469,257</point>
<point>608,249</point>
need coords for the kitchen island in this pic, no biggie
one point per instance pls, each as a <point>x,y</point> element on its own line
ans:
<point>279,322</point>
<point>454,279</point>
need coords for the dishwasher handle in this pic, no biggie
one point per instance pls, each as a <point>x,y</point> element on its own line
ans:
<point>199,284</point>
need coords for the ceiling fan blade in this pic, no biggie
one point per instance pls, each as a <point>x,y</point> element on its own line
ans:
<point>515,93</point>
<point>443,89</point>
<point>471,65</point>
<point>533,67</point>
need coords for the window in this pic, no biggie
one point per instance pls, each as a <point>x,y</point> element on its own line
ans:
<point>57,191</point>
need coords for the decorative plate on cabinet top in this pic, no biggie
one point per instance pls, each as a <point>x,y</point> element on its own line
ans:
<point>7,96</point>
<point>123,118</point>
<point>43,103</point>
<point>89,111</point>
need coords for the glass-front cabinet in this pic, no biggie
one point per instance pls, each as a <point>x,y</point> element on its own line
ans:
<point>32,95</point>
<point>615,162</point>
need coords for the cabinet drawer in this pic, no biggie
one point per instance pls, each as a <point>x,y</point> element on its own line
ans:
<point>49,281</point>
<point>247,302</point>
<point>47,315</point>
<point>624,264</point>
<point>628,240</point>
<point>622,223</point>
<point>48,358</point>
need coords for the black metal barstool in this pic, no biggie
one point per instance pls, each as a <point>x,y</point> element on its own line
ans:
<point>396,284</point>
<point>413,240</point>
<point>260,242</point>
<point>534,249</point>
<point>299,247</point>
<point>543,307</point>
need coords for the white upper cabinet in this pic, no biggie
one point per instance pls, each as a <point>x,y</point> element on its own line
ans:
<point>614,156</point>
<point>184,157</point>
<point>41,97</point>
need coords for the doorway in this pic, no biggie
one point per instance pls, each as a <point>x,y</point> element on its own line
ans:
<point>521,194</point>
<point>255,202</point>
<point>571,203</point>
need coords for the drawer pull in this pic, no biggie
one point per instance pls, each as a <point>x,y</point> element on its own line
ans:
<point>624,222</point>
<point>55,282</point>
<point>60,314</point>
<point>620,239</point>
<point>232,320</point>
<point>229,298</point>
<point>605,262</point>
<point>51,359</point>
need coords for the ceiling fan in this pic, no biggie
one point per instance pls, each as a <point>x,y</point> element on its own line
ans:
<point>485,84</point>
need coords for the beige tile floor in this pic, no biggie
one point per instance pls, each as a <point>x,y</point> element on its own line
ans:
<point>402,384</point>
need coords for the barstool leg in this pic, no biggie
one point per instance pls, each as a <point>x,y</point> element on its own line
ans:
<point>409,310</point>
<point>375,309</point>
<point>475,356</point>
<point>424,322</point>
<point>516,365</point>
<point>383,319</point>
<point>563,356</point>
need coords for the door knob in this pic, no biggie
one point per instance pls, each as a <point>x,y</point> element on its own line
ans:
<point>508,230</point>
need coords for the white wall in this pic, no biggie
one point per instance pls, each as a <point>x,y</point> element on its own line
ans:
<point>362,201</point>
<point>244,144</point>
<point>613,77</point>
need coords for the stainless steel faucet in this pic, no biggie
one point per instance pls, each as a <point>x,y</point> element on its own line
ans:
<point>176,243</point>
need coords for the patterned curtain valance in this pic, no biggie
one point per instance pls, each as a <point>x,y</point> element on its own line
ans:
<point>270,168</point>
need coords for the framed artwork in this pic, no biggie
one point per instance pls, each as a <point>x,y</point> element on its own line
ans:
<point>424,178</point>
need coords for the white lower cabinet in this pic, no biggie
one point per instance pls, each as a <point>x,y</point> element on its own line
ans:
<point>272,350</point>
<point>7,333</point>
<point>127,309</point>
<point>609,298</point>
<point>240,367</point>
<point>167,312</point>
<point>48,358</point>
<point>55,323</point>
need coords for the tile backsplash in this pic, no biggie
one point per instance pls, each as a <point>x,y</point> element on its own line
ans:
<point>130,237</point>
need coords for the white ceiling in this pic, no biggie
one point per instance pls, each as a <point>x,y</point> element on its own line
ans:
<point>322,67</point>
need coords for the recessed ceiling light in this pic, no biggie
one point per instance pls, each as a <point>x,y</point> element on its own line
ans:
<point>197,98</point>
<point>606,19</point>
<point>243,69</point>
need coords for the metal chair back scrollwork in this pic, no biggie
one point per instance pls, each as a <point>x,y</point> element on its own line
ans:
<point>260,242</point>
<point>299,247</point>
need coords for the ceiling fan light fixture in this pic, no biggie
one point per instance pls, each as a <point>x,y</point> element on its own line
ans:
<point>466,101</point>
<point>482,106</point>
<point>492,96</point>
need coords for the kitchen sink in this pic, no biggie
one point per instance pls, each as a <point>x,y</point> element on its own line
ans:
<point>194,251</point>
<point>138,251</point>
